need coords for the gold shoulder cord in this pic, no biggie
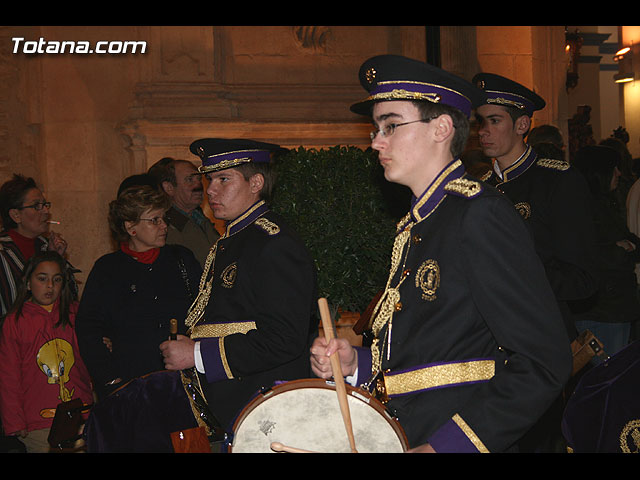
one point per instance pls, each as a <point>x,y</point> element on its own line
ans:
<point>383,313</point>
<point>197,308</point>
<point>189,377</point>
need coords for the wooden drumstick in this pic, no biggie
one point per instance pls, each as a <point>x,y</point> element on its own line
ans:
<point>173,329</point>
<point>327,326</point>
<point>278,447</point>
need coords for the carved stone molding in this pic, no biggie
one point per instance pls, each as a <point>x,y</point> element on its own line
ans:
<point>148,141</point>
<point>311,37</point>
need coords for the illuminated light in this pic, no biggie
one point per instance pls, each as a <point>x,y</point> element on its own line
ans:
<point>624,77</point>
<point>619,56</point>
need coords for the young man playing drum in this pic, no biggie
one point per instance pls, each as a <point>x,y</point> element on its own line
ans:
<point>255,313</point>
<point>469,348</point>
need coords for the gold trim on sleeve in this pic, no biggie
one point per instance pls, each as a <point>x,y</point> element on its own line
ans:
<point>466,429</point>
<point>439,376</point>
<point>223,359</point>
<point>215,330</point>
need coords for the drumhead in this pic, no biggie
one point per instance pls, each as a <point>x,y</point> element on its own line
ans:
<point>305,414</point>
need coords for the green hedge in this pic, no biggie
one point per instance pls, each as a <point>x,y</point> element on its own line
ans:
<point>346,213</point>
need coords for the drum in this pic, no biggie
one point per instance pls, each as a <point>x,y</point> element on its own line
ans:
<point>140,416</point>
<point>305,414</point>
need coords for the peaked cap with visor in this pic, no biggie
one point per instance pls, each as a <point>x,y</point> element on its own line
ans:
<point>222,153</point>
<point>503,91</point>
<point>394,77</point>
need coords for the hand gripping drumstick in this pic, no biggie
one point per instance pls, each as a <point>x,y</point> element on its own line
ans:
<point>337,373</point>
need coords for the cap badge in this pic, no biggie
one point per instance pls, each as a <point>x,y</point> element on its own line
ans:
<point>370,75</point>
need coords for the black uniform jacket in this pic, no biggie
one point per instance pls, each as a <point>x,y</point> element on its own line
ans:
<point>467,332</point>
<point>554,200</point>
<point>261,315</point>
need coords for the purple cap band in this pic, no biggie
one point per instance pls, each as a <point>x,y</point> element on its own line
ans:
<point>406,90</point>
<point>233,159</point>
<point>509,99</point>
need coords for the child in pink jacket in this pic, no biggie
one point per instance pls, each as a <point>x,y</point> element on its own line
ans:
<point>39,353</point>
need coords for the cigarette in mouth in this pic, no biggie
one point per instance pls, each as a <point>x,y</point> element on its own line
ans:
<point>53,221</point>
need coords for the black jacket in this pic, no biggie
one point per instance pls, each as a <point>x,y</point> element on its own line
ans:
<point>554,200</point>
<point>132,303</point>
<point>475,350</point>
<point>262,313</point>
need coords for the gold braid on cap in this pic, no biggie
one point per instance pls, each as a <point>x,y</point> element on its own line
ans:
<point>401,94</point>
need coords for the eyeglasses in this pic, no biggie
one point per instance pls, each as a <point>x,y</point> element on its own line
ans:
<point>155,220</point>
<point>389,129</point>
<point>36,206</point>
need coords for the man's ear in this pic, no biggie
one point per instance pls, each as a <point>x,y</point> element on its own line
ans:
<point>168,188</point>
<point>444,127</point>
<point>522,124</point>
<point>256,182</point>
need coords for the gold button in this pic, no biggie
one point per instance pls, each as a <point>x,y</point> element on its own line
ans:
<point>398,306</point>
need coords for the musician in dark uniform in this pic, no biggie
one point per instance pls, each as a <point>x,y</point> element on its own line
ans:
<point>468,347</point>
<point>553,199</point>
<point>551,196</point>
<point>255,315</point>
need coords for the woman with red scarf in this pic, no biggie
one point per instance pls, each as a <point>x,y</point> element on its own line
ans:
<point>132,294</point>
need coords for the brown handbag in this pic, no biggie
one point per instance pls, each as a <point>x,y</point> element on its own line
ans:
<point>68,419</point>
<point>584,348</point>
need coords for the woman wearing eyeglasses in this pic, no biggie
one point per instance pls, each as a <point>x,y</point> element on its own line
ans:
<point>24,213</point>
<point>132,294</point>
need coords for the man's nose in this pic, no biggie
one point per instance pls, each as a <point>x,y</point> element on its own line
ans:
<point>378,142</point>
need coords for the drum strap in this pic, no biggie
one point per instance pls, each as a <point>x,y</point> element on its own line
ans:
<point>434,376</point>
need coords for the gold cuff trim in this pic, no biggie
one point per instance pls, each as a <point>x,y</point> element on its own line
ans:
<point>223,358</point>
<point>221,329</point>
<point>473,438</point>
<point>439,376</point>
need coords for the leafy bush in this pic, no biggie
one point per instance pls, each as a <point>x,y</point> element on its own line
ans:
<point>346,213</point>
